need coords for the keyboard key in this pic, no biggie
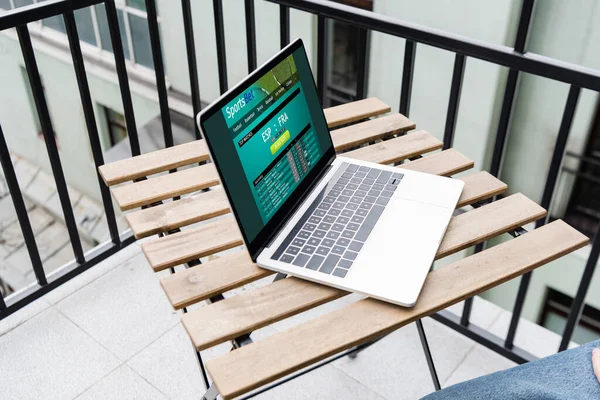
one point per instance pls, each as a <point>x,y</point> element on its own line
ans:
<point>328,242</point>
<point>329,264</point>
<point>293,250</point>
<point>343,242</point>
<point>314,220</point>
<point>394,181</point>
<point>345,263</point>
<point>348,175</point>
<point>351,206</point>
<point>383,177</point>
<point>343,181</point>
<point>377,186</point>
<point>356,181</point>
<point>352,167</point>
<point>346,192</point>
<point>382,201</point>
<point>364,187</point>
<point>319,234</point>
<point>397,175</point>
<point>391,188</point>
<point>369,223</point>
<point>352,186</point>
<point>347,213</point>
<point>362,213</point>
<point>370,199</point>
<point>322,250</point>
<point>286,258</point>
<point>328,199</point>
<point>343,199</point>
<point>303,234</point>
<point>313,241</point>
<point>350,255</point>
<point>325,226</point>
<point>329,219</point>
<point>364,169</point>
<point>310,227</point>
<point>315,262</point>
<point>357,219</point>
<point>347,234</point>
<point>360,193</point>
<point>334,211</point>
<point>339,187</point>
<point>332,235</point>
<point>324,206</point>
<point>343,220</point>
<point>355,246</point>
<point>308,249</point>
<point>334,193</point>
<point>301,260</point>
<point>319,213</point>
<point>360,174</point>
<point>340,272</point>
<point>368,181</point>
<point>353,226</point>
<point>298,242</point>
<point>386,193</point>
<point>374,193</point>
<point>337,227</point>
<point>366,206</point>
<point>338,204</point>
<point>374,173</point>
<point>355,199</point>
<point>338,250</point>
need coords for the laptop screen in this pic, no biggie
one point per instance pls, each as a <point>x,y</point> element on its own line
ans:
<point>266,138</point>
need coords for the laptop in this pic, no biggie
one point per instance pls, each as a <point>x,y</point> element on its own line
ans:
<point>303,211</point>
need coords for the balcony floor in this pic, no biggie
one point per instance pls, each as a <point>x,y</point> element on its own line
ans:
<point>111,334</point>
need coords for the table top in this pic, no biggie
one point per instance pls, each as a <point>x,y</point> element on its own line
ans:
<point>365,130</point>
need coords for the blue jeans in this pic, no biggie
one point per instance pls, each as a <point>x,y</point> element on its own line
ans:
<point>567,375</point>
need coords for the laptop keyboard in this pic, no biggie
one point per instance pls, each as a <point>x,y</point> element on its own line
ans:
<point>333,230</point>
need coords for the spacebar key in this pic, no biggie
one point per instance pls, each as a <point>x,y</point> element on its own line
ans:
<point>368,224</point>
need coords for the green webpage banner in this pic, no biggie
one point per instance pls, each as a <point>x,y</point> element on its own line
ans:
<point>273,136</point>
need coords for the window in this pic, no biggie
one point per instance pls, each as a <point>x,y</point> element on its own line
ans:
<point>556,311</point>
<point>115,124</point>
<point>583,209</point>
<point>92,26</point>
<point>348,45</point>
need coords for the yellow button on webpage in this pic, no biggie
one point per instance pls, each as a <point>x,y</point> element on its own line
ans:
<point>280,142</point>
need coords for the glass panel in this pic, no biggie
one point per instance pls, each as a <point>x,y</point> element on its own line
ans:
<point>55,23</point>
<point>141,41</point>
<point>5,4</point>
<point>105,32</point>
<point>21,3</point>
<point>139,4</point>
<point>581,334</point>
<point>85,26</point>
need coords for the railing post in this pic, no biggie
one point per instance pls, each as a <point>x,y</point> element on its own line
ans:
<point>410,49</point>
<point>190,47</point>
<point>220,41</point>
<point>284,26</point>
<point>250,35</point>
<point>323,41</point>
<point>362,84</point>
<point>454,101</point>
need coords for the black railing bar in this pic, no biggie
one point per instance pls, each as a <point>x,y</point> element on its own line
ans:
<point>582,290</point>
<point>2,303</point>
<point>41,10</point>
<point>284,26</point>
<point>117,45</point>
<point>18,300</point>
<point>21,210</point>
<point>583,175</point>
<point>454,100</point>
<point>159,71</point>
<point>362,83</point>
<point>525,18</point>
<point>483,337</point>
<point>190,48</point>
<point>220,42</point>
<point>322,38</point>
<point>250,35</point>
<point>41,106</point>
<point>586,159</point>
<point>90,121</point>
<point>502,55</point>
<point>408,68</point>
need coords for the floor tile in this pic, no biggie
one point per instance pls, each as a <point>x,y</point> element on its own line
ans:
<point>24,314</point>
<point>49,357</point>
<point>122,383</point>
<point>125,309</point>
<point>483,313</point>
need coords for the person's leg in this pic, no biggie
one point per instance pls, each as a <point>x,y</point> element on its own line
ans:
<point>567,375</point>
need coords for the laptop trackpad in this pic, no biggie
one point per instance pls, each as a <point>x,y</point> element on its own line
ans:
<point>401,248</point>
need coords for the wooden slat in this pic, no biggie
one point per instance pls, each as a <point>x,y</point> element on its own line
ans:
<point>165,186</point>
<point>201,282</point>
<point>193,152</point>
<point>355,111</point>
<point>397,149</point>
<point>204,281</point>
<point>176,214</point>
<point>264,361</point>
<point>191,244</point>
<point>445,163</point>
<point>480,186</point>
<point>369,131</point>
<point>154,162</point>
<point>253,309</point>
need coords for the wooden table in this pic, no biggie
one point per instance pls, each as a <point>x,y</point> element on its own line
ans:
<point>227,317</point>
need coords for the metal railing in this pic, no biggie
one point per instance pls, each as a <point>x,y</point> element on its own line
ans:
<point>516,58</point>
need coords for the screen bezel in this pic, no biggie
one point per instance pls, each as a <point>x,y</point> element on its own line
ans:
<point>268,232</point>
